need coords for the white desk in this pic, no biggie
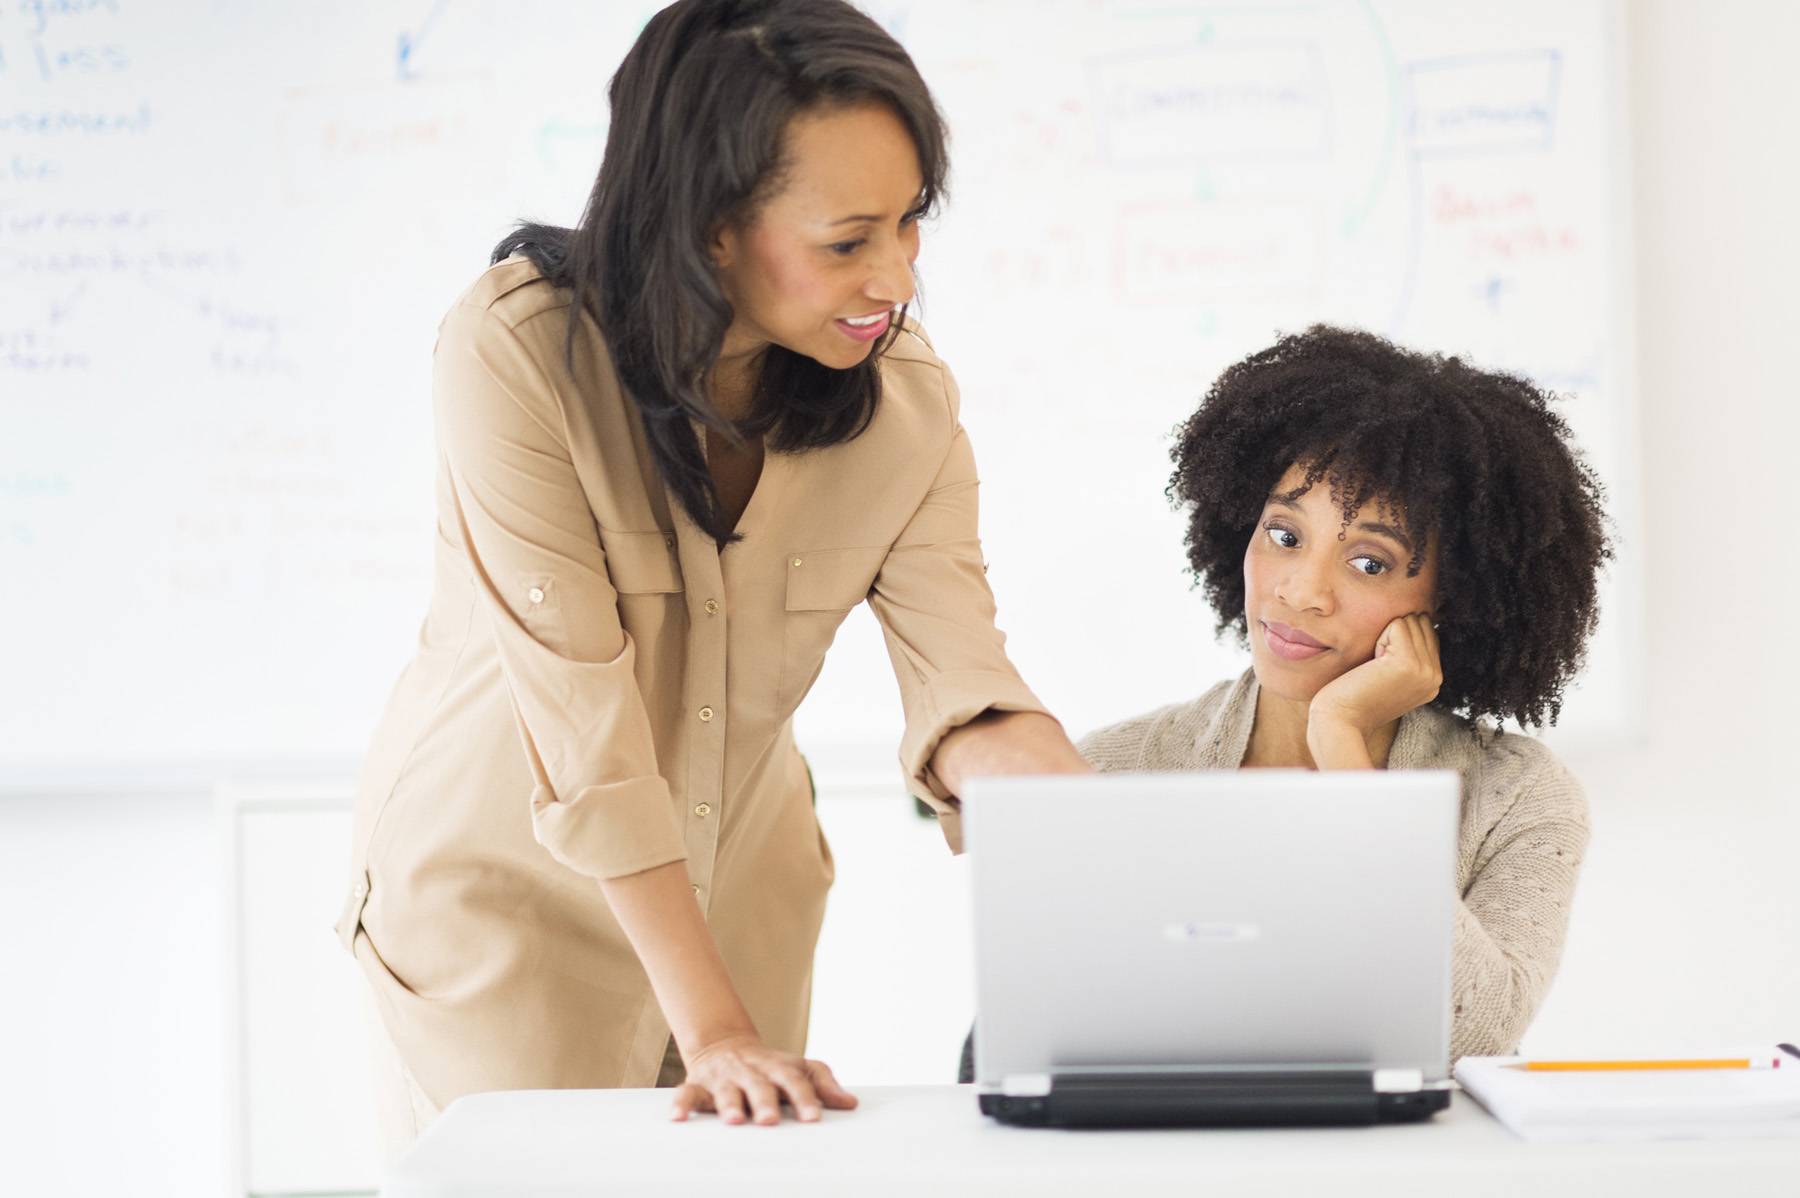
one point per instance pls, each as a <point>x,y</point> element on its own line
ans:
<point>931,1141</point>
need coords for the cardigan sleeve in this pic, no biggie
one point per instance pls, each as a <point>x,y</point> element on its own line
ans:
<point>937,615</point>
<point>532,547</point>
<point>1514,913</point>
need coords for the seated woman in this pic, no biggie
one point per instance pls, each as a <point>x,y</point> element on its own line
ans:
<point>1410,547</point>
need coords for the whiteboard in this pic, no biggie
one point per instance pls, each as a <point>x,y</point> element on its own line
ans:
<point>228,232</point>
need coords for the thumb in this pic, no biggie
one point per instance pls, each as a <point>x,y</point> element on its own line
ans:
<point>1392,638</point>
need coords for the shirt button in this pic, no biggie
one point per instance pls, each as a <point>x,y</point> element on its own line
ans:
<point>797,562</point>
<point>702,810</point>
<point>712,607</point>
<point>706,715</point>
<point>535,594</point>
<point>696,887</point>
<point>359,890</point>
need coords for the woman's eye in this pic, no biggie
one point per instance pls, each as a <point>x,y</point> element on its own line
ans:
<point>1283,537</point>
<point>1370,565</point>
<point>845,248</point>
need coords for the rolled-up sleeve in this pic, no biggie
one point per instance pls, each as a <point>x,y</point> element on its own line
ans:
<point>598,803</point>
<point>932,600</point>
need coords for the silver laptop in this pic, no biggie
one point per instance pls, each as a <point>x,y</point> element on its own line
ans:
<point>1253,947</point>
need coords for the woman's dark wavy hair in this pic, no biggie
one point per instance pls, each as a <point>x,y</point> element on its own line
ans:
<point>700,106</point>
<point>1475,461</point>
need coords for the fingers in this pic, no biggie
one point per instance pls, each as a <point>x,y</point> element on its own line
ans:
<point>688,1099</point>
<point>728,1100</point>
<point>765,1099</point>
<point>1423,645</point>
<point>1394,638</point>
<point>796,1085</point>
<point>1410,635</point>
<point>753,1086</point>
<point>826,1082</point>
<point>1415,641</point>
<point>1428,635</point>
<point>1411,643</point>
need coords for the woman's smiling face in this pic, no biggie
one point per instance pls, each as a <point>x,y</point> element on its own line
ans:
<point>1314,604</point>
<point>822,265</point>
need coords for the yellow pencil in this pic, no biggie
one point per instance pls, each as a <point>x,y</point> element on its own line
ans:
<point>1597,1066</point>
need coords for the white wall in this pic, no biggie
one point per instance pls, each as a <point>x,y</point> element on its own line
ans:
<point>1689,919</point>
<point>1686,926</point>
<point>111,1047</point>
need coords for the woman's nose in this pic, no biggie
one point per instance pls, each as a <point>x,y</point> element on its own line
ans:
<point>1305,587</point>
<point>892,281</point>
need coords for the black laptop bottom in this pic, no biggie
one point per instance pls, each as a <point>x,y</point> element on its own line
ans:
<point>1260,1099</point>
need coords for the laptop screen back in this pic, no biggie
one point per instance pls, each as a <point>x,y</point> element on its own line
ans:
<point>1228,919</point>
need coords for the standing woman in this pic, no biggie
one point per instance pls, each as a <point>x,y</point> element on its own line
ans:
<point>677,444</point>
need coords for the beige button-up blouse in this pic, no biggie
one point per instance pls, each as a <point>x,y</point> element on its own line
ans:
<point>598,690</point>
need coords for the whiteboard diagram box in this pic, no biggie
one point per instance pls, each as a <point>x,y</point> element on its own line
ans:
<point>1483,103</point>
<point>1213,101</point>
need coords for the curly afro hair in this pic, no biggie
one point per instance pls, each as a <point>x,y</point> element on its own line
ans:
<point>1473,460</point>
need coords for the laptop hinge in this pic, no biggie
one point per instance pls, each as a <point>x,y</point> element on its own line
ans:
<point>1215,1097</point>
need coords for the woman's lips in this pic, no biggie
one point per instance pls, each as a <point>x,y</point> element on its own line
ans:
<point>876,326</point>
<point>1290,643</point>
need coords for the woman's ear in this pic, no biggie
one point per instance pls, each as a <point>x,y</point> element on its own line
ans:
<point>723,247</point>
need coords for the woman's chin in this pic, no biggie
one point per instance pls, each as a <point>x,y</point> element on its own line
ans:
<point>851,356</point>
<point>1286,680</point>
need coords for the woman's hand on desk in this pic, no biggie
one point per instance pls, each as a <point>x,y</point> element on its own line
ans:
<point>729,1068</point>
<point>1005,742</point>
<point>741,1077</point>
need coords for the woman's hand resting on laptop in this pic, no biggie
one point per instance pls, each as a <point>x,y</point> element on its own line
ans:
<point>1355,707</point>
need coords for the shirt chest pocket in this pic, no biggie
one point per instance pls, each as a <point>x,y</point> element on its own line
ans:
<point>643,569</point>
<point>822,586</point>
<point>641,563</point>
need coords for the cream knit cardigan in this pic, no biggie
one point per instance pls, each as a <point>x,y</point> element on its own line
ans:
<point>1523,832</point>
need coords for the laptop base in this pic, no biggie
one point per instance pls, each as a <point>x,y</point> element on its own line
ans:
<point>1214,1099</point>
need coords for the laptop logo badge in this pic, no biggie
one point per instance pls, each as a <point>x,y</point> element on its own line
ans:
<point>1182,932</point>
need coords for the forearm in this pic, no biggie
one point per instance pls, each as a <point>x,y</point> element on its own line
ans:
<point>1005,742</point>
<point>1338,745</point>
<point>657,911</point>
<point>1512,920</point>
<point>1493,997</point>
